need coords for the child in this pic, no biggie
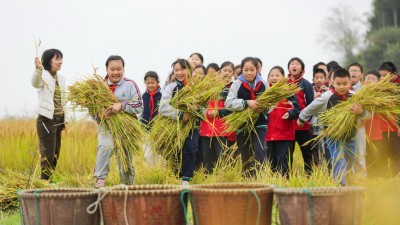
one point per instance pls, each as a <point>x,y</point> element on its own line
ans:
<point>305,96</point>
<point>342,159</point>
<point>238,71</point>
<point>130,101</point>
<point>151,98</point>
<point>212,68</point>
<point>196,59</point>
<point>259,65</point>
<point>50,121</point>
<point>281,128</point>
<point>356,74</point>
<point>212,135</point>
<point>242,94</point>
<point>318,148</point>
<point>180,68</point>
<point>200,70</point>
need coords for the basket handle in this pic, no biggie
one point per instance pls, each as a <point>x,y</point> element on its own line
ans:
<point>184,192</point>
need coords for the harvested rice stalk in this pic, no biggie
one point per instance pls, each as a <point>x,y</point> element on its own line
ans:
<point>95,95</point>
<point>381,99</point>
<point>244,120</point>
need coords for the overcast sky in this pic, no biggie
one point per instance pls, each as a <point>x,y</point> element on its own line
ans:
<point>150,35</point>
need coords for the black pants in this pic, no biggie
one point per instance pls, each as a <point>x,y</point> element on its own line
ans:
<point>49,132</point>
<point>255,145</point>
<point>302,136</point>
<point>189,154</point>
<point>278,156</point>
<point>212,148</point>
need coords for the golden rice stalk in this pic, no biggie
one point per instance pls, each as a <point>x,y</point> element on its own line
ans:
<point>95,95</point>
<point>381,99</point>
<point>245,120</point>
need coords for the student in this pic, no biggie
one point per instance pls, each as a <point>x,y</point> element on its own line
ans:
<point>342,159</point>
<point>332,65</point>
<point>323,66</point>
<point>238,71</point>
<point>213,137</point>
<point>389,68</point>
<point>151,98</point>
<point>50,121</point>
<point>130,101</point>
<point>212,68</point>
<point>196,59</point>
<point>356,74</point>
<point>305,96</point>
<point>259,65</point>
<point>191,142</point>
<point>319,149</point>
<point>281,128</point>
<point>242,94</point>
<point>200,70</point>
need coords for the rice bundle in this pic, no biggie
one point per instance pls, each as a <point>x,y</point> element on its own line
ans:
<point>381,98</point>
<point>95,95</point>
<point>245,120</point>
<point>168,135</point>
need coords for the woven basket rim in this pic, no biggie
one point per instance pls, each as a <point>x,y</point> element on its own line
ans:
<point>318,190</point>
<point>144,189</point>
<point>58,192</point>
<point>231,188</point>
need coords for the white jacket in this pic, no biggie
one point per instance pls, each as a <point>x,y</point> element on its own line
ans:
<point>43,81</point>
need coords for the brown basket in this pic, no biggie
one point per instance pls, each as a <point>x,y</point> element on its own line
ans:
<point>332,205</point>
<point>143,205</point>
<point>58,207</point>
<point>231,204</point>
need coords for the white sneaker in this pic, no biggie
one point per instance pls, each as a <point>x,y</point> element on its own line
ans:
<point>185,183</point>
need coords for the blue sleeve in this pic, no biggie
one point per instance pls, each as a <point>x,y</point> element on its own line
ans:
<point>294,113</point>
<point>308,92</point>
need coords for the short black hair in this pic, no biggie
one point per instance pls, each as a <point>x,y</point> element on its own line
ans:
<point>356,64</point>
<point>374,72</point>
<point>259,60</point>
<point>214,66</point>
<point>48,55</point>
<point>116,58</point>
<point>298,60</point>
<point>333,70</point>
<point>341,72</point>
<point>248,59</point>
<point>182,62</point>
<point>152,74</point>
<point>202,68</point>
<point>389,66</point>
<point>319,64</point>
<point>319,71</point>
<point>199,55</point>
<point>227,63</point>
<point>331,65</point>
<point>277,68</point>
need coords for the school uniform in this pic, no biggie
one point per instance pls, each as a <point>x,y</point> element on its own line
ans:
<point>342,159</point>
<point>302,135</point>
<point>191,142</point>
<point>127,92</point>
<point>212,132</point>
<point>151,102</point>
<point>241,91</point>
<point>281,135</point>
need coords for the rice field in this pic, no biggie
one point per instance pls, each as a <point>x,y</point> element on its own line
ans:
<point>19,169</point>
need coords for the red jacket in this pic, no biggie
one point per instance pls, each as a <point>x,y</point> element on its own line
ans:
<point>213,127</point>
<point>278,128</point>
<point>373,128</point>
<point>388,126</point>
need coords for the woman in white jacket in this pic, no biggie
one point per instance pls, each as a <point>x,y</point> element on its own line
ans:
<point>50,121</point>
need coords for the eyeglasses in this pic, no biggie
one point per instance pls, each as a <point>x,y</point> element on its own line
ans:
<point>354,71</point>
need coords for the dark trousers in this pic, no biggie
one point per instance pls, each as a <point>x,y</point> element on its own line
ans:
<point>391,150</point>
<point>189,154</point>
<point>212,148</point>
<point>49,132</point>
<point>249,145</point>
<point>302,136</point>
<point>278,156</point>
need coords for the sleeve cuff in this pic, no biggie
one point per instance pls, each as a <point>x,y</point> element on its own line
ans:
<point>245,103</point>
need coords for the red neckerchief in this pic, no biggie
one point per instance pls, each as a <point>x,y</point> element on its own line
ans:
<point>184,82</point>
<point>151,103</point>
<point>294,81</point>
<point>396,80</point>
<point>270,85</point>
<point>316,90</point>
<point>342,96</point>
<point>252,92</point>
<point>111,86</point>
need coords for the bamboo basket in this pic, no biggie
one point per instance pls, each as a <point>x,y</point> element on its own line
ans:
<point>331,206</point>
<point>58,207</point>
<point>231,204</point>
<point>143,205</point>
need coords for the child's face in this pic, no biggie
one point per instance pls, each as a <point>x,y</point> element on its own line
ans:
<point>355,74</point>
<point>319,79</point>
<point>383,73</point>
<point>249,71</point>
<point>180,73</point>
<point>226,72</point>
<point>151,83</point>
<point>196,60</point>
<point>371,78</point>
<point>274,76</point>
<point>198,72</point>
<point>341,84</point>
<point>295,68</point>
<point>211,70</point>
<point>56,63</point>
<point>115,70</point>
